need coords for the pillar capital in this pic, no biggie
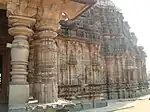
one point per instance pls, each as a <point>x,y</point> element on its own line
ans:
<point>48,18</point>
<point>16,20</point>
<point>26,8</point>
<point>20,27</point>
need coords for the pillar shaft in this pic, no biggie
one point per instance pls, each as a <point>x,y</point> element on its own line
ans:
<point>46,89</point>
<point>20,48</point>
<point>45,71</point>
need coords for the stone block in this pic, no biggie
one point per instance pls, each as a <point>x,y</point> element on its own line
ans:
<point>126,94</point>
<point>87,105</point>
<point>78,107</point>
<point>105,95</point>
<point>101,104</point>
<point>18,94</point>
<point>114,95</point>
<point>19,108</point>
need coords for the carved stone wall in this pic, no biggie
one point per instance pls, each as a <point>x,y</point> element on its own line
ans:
<point>78,64</point>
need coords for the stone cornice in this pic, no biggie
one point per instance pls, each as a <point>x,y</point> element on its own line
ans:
<point>76,39</point>
<point>90,2</point>
<point>72,8</point>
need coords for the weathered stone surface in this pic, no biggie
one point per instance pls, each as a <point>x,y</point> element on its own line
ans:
<point>19,97</point>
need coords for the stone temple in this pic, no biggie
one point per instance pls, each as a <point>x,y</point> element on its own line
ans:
<point>99,53</point>
<point>92,56</point>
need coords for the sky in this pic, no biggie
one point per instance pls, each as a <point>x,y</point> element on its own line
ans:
<point>137,13</point>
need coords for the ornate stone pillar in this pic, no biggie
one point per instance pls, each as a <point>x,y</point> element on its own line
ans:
<point>20,17</point>
<point>48,17</point>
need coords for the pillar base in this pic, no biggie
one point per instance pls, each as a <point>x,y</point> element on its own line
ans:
<point>45,93</point>
<point>18,94</point>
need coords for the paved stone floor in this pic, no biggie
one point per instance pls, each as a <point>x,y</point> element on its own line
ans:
<point>141,104</point>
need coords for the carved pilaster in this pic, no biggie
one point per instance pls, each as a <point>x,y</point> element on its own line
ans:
<point>46,90</point>
<point>72,59</point>
<point>31,65</point>
<point>72,67</point>
<point>110,68</point>
<point>95,61</point>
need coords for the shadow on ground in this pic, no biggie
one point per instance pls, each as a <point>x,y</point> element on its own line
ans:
<point>3,107</point>
<point>112,106</point>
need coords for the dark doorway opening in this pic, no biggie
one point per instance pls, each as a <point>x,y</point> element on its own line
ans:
<point>4,61</point>
<point>4,80</point>
<point>1,70</point>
